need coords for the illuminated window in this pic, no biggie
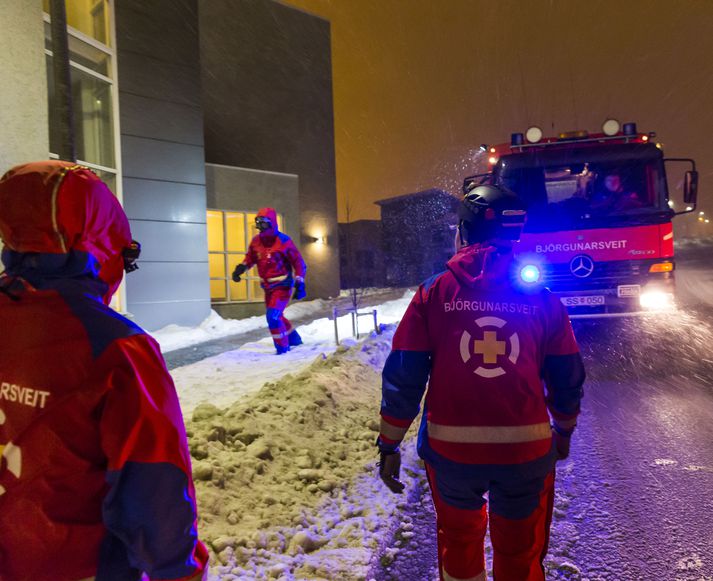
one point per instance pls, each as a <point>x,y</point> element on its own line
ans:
<point>94,92</point>
<point>90,17</point>
<point>229,235</point>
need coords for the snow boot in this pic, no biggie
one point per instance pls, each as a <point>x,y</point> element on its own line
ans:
<point>294,339</point>
<point>280,349</point>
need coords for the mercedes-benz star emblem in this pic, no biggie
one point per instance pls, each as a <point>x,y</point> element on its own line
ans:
<point>581,266</point>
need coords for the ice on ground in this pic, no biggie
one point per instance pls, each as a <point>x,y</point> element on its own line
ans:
<point>285,477</point>
<point>225,378</point>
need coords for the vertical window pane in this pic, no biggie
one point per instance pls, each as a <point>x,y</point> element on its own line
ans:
<point>93,121</point>
<point>217,290</point>
<point>257,294</point>
<point>235,231</point>
<point>252,231</point>
<point>239,291</point>
<point>215,231</point>
<point>92,118</point>
<point>216,265</point>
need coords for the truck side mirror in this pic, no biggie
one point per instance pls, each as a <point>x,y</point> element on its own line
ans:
<point>690,187</point>
<point>690,183</point>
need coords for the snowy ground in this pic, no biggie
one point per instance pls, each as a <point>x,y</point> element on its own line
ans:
<point>223,379</point>
<point>285,477</point>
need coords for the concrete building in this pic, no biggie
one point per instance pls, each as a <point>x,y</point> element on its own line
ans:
<point>145,122</point>
<point>361,254</point>
<point>418,235</point>
<point>267,96</point>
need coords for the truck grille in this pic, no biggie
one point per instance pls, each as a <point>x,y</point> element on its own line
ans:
<point>559,277</point>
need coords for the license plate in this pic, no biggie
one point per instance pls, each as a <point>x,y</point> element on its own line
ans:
<point>628,290</point>
<point>582,301</point>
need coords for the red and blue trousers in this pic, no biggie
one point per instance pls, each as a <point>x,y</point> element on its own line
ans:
<point>276,301</point>
<point>519,507</point>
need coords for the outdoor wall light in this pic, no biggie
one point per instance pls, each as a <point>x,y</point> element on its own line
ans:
<point>319,240</point>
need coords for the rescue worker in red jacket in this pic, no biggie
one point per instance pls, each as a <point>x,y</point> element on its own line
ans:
<point>485,345</point>
<point>280,267</point>
<point>95,474</point>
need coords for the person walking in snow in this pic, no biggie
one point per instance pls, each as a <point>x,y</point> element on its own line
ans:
<point>280,267</point>
<point>95,472</point>
<point>497,356</point>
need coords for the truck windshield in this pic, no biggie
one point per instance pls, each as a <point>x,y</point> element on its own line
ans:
<point>604,192</point>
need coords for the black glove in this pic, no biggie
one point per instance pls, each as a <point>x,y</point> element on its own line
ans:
<point>239,270</point>
<point>562,439</point>
<point>389,468</point>
<point>300,291</point>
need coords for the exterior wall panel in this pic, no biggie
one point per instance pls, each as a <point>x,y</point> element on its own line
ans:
<point>163,160</point>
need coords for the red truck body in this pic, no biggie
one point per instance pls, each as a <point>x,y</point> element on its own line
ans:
<point>599,231</point>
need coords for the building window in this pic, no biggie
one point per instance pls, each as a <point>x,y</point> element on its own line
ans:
<point>94,92</point>
<point>229,235</point>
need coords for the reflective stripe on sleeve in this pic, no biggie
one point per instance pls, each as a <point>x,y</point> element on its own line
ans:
<point>489,434</point>
<point>566,424</point>
<point>392,432</point>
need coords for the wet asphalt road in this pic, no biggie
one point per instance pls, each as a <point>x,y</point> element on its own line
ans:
<point>635,498</point>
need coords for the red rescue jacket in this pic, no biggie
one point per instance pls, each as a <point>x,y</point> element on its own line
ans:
<point>95,478</point>
<point>484,347</point>
<point>279,262</point>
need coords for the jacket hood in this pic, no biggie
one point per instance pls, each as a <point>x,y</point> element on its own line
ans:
<point>59,219</point>
<point>271,215</point>
<point>477,265</point>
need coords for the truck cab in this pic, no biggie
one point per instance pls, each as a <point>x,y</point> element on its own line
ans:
<point>599,231</point>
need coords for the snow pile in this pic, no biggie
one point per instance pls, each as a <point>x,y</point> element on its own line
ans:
<point>224,378</point>
<point>285,478</point>
<point>174,337</point>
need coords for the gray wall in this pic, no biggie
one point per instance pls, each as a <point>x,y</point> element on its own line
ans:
<point>24,134</point>
<point>248,190</point>
<point>267,92</point>
<point>163,159</point>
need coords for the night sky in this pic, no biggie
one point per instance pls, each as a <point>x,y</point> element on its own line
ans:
<point>419,84</point>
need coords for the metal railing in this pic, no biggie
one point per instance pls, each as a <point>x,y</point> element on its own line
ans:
<point>355,314</point>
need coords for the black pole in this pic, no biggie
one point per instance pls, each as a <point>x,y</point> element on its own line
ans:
<point>62,105</point>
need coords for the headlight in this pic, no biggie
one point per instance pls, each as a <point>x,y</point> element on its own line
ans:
<point>530,273</point>
<point>656,300</point>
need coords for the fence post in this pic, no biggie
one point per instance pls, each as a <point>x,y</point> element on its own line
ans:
<point>336,326</point>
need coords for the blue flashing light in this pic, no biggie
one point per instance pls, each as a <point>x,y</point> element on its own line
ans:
<point>530,273</point>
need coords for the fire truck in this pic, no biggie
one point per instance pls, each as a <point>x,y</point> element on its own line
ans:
<point>599,232</point>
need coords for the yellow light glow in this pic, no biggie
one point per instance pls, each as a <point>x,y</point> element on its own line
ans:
<point>492,150</point>
<point>645,138</point>
<point>492,159</point>
<point>661,267</point>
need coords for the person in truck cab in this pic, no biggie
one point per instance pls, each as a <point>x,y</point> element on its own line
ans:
<point>613,197</point>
